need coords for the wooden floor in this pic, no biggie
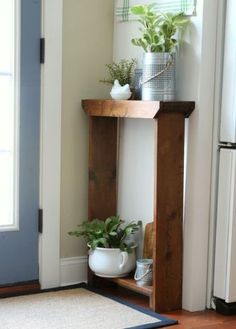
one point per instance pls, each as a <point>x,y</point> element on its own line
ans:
<point>187,320</point>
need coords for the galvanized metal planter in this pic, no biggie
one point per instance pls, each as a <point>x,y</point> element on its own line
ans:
<point>158,82</point>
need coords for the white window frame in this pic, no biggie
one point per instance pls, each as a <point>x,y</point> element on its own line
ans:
<point>17,23</point>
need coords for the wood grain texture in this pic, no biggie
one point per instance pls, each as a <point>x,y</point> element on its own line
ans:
<point>187,320</point>
<point>19,289</point>
<point>169,154</point>
<point>130,283</point>
<point>134,109</point>
<point>148,241</point>
<point>168,249</point>
<point>102,189</point>
<point>124,109</point>
<point>186,108</point>
<point>208,319</point>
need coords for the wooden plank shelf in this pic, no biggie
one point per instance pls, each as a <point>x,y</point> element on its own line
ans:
<point>130,283</point>
<point>134,109</point>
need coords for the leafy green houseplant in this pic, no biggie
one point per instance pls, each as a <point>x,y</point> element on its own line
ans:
<point>121,77</point>
<point>159,40</point>
<point>111,233</point>
<point>110,254</point>
<point>158,29</point>
<point>122,71</point>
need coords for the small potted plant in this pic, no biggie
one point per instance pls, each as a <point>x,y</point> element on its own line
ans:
<point>121,77</point>
<point>111,253</point>
<point>159,41</point>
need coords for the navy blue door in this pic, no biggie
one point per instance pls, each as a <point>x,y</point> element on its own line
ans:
<point>19,247</point>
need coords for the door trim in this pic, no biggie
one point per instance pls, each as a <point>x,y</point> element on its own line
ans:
<point>50,153</point>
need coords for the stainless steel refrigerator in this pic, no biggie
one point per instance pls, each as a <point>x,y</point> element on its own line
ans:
<point>225,252</point>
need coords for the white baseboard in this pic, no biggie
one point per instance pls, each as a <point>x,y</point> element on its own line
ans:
<point>73,270</point>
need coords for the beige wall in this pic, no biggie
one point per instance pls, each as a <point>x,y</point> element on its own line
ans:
<point>87,47</point>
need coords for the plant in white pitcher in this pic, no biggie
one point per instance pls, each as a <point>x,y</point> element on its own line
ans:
<point>110,254</point>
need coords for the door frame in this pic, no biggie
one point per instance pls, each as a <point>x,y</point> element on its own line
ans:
<point>50,138</point>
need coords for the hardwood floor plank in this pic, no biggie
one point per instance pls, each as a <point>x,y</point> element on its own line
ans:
<point>208,319</point>
<point>202,320</point>
<point>226,325</point>
<point>19,289</point>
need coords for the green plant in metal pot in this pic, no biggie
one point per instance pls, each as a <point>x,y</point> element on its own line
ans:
<point>159,40</point>
<point>158,29</point>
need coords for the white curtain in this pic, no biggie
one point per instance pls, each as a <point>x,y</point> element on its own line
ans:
<point>123,7</point>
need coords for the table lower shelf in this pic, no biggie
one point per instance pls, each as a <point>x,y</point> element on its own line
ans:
<point>130,283</point>
<point>127,283</point>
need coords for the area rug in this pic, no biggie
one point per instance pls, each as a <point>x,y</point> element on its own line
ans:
<point>75,309</point>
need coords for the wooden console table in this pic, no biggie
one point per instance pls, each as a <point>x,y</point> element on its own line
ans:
<point>169,117</point>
